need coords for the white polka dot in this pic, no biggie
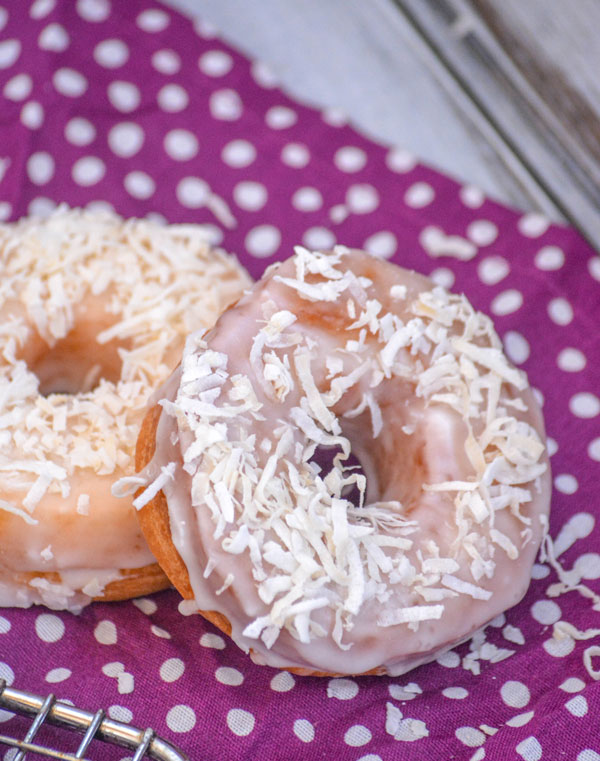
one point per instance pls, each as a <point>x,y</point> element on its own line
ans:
<point>111,53</point>
<point>350,159</point>
<point>240,722</point>
<point>400,160</point>
<point>382,244</point>
<point>214,641</point>
<point>362,199</point>
<point>225,105</point>
<point>10,50</point>
<point>5,210</point>
<point>533,225</point>
<point>442,276</point>
<point>566,483</point>
<point>357,735</point>
<point>419,195</point>
<point>588,755</point>
<point>593,449</point>
<point>238,154</point>
<point>449,660</point>
<point>470,736</point>
<point>560,311</point>
<point>106,633</point>
<point>124,96</point>
<point>5,625</point>
<point>126,139</point>
<point>516,347</point>
<point>172,670</point>
<point>335,117</point>
<point>54,38</point>
<point>79,131</point>
<point>41,8</point>
<point>263,75</point>
<point>69,82</point>
<point>515,694</point>
<point>230,676</point>
<point>471,196</point>
<point>3,18</point>
<point>295,155</point>
<point>18,88</point>
<point>520,719</point>
<point>304,730</point>
<point>263,241</point>
<point>280,117</point>
<point>594,267</point>
<point>549,258</point>
<point>49,627</point>
<point>455,693</point>
<point>493,269</point>
<point>546,612</point>
<point>584,405</point>
<point>192,192</point>
<point>7,673</point>
<point>588,565</point>
<point>94,11</point>
<point>529,749</point>
<point>482,232</point>
<point>172,98</point>
<point>571,360</point>
<point>153,20</point>
<point>577,706</point>
<point>40,168</point>
<point>559,648</point>
<point>282,682</point>
<point>88,171</point>
<point>572,684</point>
<point>41,207</point>
<point>103,207</point>
<point>181,718</point>
<point>250,196</point>
<point>342,689</point>
<point>551,446</point>
<point>160,632</point>
<point>166,61</point>
<point>498,621</point>
<point>58,675</point>
<point>507,302</point>
<point>181,145</point>
<point>215,63</point>
<point>32,115</point>
<point>139,185</point>
<point>120,713</point>
<point>205,29</point>
<point>318,238</point>
<point>307,199</point>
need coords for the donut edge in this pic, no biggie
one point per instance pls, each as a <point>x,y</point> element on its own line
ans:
<point>155,524</point>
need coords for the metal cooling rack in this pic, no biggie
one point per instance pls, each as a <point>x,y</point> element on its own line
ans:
<point>144,742</point>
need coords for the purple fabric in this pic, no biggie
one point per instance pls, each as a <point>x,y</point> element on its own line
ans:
<point>84,120</point>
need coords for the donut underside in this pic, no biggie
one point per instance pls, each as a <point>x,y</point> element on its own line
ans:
<point>154,521</point>
<point>135,582</point>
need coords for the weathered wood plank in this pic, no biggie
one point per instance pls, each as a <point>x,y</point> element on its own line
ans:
<point>530,125</point>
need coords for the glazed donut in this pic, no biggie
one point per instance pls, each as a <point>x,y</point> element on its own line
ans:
<point>94,312</point>
<point>345,354</point>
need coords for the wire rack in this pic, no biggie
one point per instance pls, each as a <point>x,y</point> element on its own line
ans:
<point>144,742</point>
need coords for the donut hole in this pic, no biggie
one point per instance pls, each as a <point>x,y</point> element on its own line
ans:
<point>323,460</point>
<point>77,362</point>
<point>76,365</point>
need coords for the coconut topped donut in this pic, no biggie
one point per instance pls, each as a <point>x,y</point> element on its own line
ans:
<point>94,312</point>
<point>342,353</point>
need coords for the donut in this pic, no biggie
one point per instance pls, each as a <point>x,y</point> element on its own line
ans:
<point>94,312</point>
<point>345,474</point>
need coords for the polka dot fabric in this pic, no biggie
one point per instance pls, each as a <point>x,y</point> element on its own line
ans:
<point>130,105</point>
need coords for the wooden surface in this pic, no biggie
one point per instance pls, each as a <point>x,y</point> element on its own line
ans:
<point>503,94</point>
